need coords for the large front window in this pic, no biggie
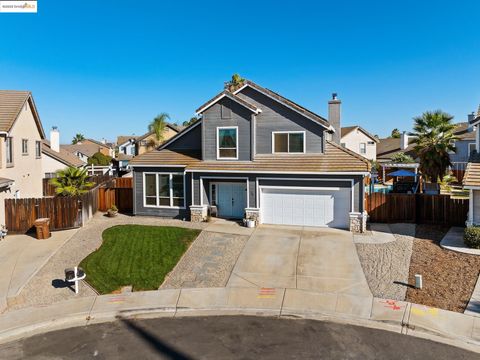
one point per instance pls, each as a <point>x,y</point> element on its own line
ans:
<point>288,142</point>
<point>164,190</point>
<point>227,143</point>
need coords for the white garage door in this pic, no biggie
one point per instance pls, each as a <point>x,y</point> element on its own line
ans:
<point>287,206</point>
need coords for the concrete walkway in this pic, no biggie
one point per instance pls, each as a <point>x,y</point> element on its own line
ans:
<point>397,316</point>
<point>453,240</point>
<point>305,258</point>
<point>21,257</point>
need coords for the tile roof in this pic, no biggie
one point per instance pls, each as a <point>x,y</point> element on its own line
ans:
<point>348,129</point>
<point>472,175</point>
<point>283,100</point>
<point>86,148</point>
<point>335,159</point>
<point>122,139</point>
<point>11,102</point>
<point>63,155</point>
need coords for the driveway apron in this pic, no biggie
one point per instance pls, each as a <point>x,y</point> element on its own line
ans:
<point>316,259</point>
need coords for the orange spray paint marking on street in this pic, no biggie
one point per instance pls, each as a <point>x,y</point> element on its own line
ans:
<point>116,300</point>
<point>266,293</point>
<point>392,304</point>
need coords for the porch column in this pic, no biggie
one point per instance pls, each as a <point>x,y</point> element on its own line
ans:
<point>470,208</point>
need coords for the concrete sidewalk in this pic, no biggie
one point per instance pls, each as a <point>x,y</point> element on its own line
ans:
<point>21,257</point>
<point>400,317</point>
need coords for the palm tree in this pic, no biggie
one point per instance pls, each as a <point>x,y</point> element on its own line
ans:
<point>71,181</point>
<point>158,125</point>
<point>433,133</point>
<point>78,138</point>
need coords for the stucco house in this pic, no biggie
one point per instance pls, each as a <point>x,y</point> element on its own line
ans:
<point>21,136</point>
<point>55,158</point>
<point>359,140</point>
<point>148,141</point>
<point>86,148</point>
<point>257,155</point>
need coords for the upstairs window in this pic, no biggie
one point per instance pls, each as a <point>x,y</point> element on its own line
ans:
<point>9,150</point>
<point>363,148</point>
<point>38,149</point>
<point>227,142</point>
<point>288,142</point>
<point>24,147</point>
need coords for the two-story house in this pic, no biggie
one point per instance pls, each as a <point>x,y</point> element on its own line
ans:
<point>21,135</point>
<point>359,140</point>
<point>255,155</point>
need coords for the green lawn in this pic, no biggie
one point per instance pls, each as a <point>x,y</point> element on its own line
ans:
<point>136,255</point>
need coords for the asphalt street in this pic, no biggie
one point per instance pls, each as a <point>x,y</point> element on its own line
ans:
<point>227,337</point>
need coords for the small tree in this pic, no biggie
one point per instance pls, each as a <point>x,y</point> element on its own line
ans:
<point>402,158</point>
<point>158,125</point>
<point>395,133</point>
<point>99,159</point>
<point>78,138</point>
<point>71,182</point>
<point>236,82</point>
<point>192,120</point>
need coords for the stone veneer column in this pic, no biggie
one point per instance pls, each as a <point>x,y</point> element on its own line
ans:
<point>253,214</point>
<point>198,213</point>
<point>358,222</point>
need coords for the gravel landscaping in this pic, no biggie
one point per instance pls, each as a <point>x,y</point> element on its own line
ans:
<point>208,262</point>
<point>386,265</point>
<point>48,287</point>
<point>448,277</point>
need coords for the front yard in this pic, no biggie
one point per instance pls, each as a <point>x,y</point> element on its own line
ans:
<point>448,277</point>
<point>136,255</point>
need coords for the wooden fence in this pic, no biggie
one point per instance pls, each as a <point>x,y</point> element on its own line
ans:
<point>120,195</point>
<point>49,189</point>
<point>417,208</point>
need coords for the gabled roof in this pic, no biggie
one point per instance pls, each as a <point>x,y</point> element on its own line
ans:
<point>86,148</point>
<point>180,134</point>
<point>11,103</point>
<point>347,130</point>
<point>232,97</point>
<point>122,139</point>
<point>63,156</point>
<point>286,102</point>
<point>99,143</point>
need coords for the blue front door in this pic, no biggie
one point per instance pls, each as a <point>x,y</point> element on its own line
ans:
<point>232,199</point>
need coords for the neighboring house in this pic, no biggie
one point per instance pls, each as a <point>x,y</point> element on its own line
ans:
<point>465,144</point>
<point>126,150</point>
<point>359,140</point>
<point>86,148</point>
<point>21,135</point>
<point>256,155</point>
<point>148,141</point>
<point>56,158</point>
<point>471,180</point>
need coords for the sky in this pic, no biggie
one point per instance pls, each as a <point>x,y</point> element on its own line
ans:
<point>107,68</point>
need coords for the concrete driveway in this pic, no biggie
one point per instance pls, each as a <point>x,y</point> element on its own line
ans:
<point>317,259</point>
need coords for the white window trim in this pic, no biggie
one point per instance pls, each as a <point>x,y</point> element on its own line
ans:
<point>170,191</point>
<point>288,142</point>
<point>470,145</point>
<point>236,142</point>
<point>360,148</point>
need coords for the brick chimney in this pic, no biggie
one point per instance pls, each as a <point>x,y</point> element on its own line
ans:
<point>334,117</point>
<point>55,139</point>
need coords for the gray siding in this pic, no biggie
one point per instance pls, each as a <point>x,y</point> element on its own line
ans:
<point>189,141</point>
<point>212,119</point>
<point>277,117</point>
<point>462,151</point>
<point>139,209</point>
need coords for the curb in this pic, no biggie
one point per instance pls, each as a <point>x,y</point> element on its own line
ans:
<point>442,326</point>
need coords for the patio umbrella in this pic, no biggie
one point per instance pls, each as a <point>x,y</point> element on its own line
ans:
<point>402,172</point>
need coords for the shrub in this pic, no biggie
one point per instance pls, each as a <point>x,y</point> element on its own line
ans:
<point>99,159</point>
<point>471,237</point>
<point>113,208</point>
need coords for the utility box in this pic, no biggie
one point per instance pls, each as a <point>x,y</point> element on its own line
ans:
<point>42,226</point>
